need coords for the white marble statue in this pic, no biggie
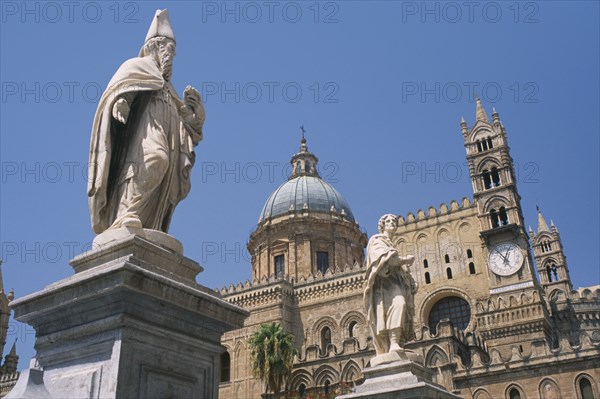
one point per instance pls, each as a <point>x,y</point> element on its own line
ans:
<point>389,290</point>
<point>143,136</point>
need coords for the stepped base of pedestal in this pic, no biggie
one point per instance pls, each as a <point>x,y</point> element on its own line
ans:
<point>130,323</point>
<point>402,379</point>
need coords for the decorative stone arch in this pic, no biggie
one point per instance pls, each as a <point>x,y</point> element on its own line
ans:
<point>351,371</point>
<point>462,228</point>
<point>436,357</point>
<point>420,237</point>
<point>300,377</point>
<point>577,386</point>
<point>488,163</point>
<point>586,293</point>
<point>401,246</point>
<point>350,317</point>
<point>325,321</point>
<point>556,295</point>
<point>550,260</point>
<point>481,393</point>
<point>439,235</point>
<point>495,202</point>
<point>548,389</point>
<point>543,236</point>
<point>237,363</point>
<point>326,373</point>
<point>422,248</point>
<point>430,300</point>
<point>512,386</point>
<point>481,130</point>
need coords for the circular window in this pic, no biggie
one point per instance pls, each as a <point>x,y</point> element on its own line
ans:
<point>452,307</point>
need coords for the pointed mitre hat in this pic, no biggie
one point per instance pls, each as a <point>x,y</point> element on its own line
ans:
<point>160,26</point>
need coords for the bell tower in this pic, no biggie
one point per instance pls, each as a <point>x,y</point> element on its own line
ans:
<point>498,201</point>
<point>550,260</point>
<point>515,310</point>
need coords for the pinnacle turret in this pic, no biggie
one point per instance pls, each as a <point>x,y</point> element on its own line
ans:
<point>463,126</point>
<point>496,117</point>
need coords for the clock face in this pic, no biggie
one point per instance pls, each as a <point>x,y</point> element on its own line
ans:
<point>505,259</point>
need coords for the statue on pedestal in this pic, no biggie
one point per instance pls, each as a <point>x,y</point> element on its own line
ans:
<point>389,291</point>
<point>143,137</point>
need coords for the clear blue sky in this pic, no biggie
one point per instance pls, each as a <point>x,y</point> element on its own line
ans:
<point>379,86</point>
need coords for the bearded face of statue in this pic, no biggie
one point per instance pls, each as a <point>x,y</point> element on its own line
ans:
<point>166,54</point>
<point>162,49</point>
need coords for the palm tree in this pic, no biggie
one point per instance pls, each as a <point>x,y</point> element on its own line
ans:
<point>272,356</point>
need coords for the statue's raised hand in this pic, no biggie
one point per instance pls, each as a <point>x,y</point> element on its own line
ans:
<point>120,110</point>
<point>193,100</point>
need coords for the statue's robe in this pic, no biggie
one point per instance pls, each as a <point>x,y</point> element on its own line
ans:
<point>140,169</point>
<point>387,295</point>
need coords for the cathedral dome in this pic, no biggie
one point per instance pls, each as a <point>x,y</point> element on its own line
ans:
<point>305,191</point>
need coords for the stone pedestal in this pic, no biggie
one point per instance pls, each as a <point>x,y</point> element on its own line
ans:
<point>130,323</point>
<point>398,376</point>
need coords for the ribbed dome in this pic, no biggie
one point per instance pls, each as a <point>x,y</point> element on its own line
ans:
<point>305,192</point>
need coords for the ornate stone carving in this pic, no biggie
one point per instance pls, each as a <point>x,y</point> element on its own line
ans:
<point>389,290</point>
<point>143,135</point>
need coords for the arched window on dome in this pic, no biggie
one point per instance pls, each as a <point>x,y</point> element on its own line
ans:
<point>427,278</point>
<point>322,261</point>
<point>279,265</point>
<point>449,273</point>
<point>425,263</point>
<point>469,253</point>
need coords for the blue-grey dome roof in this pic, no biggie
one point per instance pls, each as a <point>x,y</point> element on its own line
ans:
<point>303,192</point>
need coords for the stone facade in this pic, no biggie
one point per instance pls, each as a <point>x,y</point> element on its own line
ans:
<point>486,330</point>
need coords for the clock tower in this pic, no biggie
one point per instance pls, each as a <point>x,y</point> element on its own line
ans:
<point>515,309</point>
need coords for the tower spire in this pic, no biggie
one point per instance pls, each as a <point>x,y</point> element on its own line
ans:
<point>480,114</point>
<point>542,225</point>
